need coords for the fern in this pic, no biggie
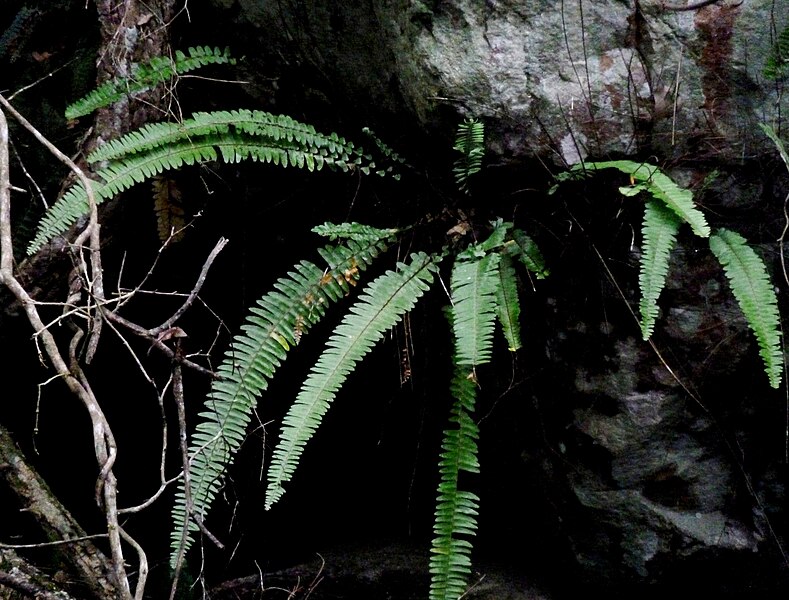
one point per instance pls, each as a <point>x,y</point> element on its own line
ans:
<point>274,325</point>
<point>473,286</point>
<point>169,209</point>
<point>352,231</point>
<point>473,291</point>
<point>651,179</point>
<point>660,235</point>
<point>779,145</point>
<point>527,251</point>
<point>147,76</point>
<point>231,136</point>
<point>777,64</point>
<point>379,308</point>
<point>470,142</point>
<point>456,510</point>
<point>755,294</point>
<point>508,306</point>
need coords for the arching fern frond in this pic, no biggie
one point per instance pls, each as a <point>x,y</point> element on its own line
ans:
<point>651,179</point>
<point>456,510</point>
<point>660,235</point>
<point>274,325</point>
<point>286,131</point>
<point>755,294</point>
<point>779,145</point>
<point>383,304</point>
<point>212,140</point>
<point>470,142</point>
<point>147,76</point>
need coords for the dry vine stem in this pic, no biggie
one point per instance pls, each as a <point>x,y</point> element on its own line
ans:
<point>103,440</point>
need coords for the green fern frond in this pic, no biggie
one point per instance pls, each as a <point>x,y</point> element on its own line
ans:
<point>274,325</point>
<point>755,294</point>
<point>353,231</point>
<point>473,291</point>
<point>147,76</point>
<point>283,129</point>
<point>770,133</point>
<point>383,304</point>
<point>660,235</point>
<point>456,510</point>
<point>508,306</point>
<point>777,64</point>
<point>156,148</point>
<point>470,142</point>
<point>527,251</point>
<point>649,178</point>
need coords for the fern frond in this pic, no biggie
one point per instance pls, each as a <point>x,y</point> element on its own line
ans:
<point>386,151</point>
<point>456,510</point>
<point>147,76</point>
<point>470,142</point>
<point>473,291</point>
<point>777,64</point>
<point>353,231</point>
<point>779,145</point>
<point>283,129</point>
<point>169,209</point>
<point>651,179</point>
<point>274,325</point>
<point>379,308</point>
<point>660,235</point>
<point>527,251</point>
<point>755,294</point>
<point>213,140</point>
<point>508,306</point>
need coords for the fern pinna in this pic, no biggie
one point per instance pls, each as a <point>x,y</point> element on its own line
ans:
<point>228,135</point>
<point>274,325</point>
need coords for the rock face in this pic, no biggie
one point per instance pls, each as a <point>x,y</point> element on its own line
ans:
<point>656,464</point>
<point>564,80</point>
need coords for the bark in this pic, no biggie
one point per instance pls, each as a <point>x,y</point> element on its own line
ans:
<point>20,579</point>
<point>89,564</point>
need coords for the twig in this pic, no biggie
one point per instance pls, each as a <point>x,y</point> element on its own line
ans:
<point>195,290</point>
<point>102,436</point>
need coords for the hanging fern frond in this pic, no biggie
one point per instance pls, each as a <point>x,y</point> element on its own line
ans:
<point>383,304</point>
<point>777,64</point>
<point>275,324</point>
<point>456,510</point>
<point>169,209</point>
<point>649,178</point>
<point>212,140</point>
<point>146,76</point>
<point>470,142</point>
<point>660,235</point>
<point>473,291</point>
<point>508,306</point>
<point>527,251</point>
<point>755,294</point>
<point>779,145</point>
